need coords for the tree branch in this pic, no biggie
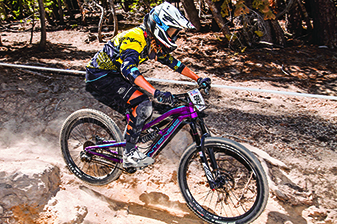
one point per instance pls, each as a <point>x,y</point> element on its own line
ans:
<point>286,10</point>
<point>100,24</point>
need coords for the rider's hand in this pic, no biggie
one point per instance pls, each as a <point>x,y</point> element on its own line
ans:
<point>204,83</point>
<point>163,97</point>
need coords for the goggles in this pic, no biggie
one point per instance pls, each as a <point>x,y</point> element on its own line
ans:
<point>172,32</point>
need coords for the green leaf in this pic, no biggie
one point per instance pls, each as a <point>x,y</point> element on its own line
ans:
<point>259,33</point>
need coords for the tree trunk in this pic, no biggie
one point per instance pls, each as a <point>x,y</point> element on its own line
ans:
<point>60,12</point>
<point>218,18</point>
<point>0,33</point>
<point>43,26</point>
<point>33,24</point>
<point>55,10</point>
<point>278,34</point>
<point>82,11</point>
<point>294,21</point>
<point>192,13</point>
<point>113,12</point>
<point>325,22</point>
<point>104,4</point>
<point>306,16</point>
<point>100,24</point>
<point>69,9</point>
<point>50,20</point>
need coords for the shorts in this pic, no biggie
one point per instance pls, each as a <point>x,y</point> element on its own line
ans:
<point>115,91</point>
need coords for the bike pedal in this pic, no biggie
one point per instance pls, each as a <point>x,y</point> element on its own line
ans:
<point>130,170</point>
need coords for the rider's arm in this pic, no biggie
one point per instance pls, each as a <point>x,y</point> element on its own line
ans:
<point>188,73</point>
<point>130,71</point>
<point>177,66</point>
<point>141,82</point>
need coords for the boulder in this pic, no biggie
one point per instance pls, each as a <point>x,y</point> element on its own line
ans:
<point>27,183</point>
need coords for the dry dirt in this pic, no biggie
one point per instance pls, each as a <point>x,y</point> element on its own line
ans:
<point>299,133</point>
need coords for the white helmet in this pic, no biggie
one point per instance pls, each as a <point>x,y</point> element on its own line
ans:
<point>165,21</point>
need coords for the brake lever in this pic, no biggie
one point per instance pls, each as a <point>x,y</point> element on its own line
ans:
<point>206,91</point>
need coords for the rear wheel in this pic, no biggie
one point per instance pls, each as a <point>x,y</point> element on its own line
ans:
<point>242,191</point>
<point>85,128</point>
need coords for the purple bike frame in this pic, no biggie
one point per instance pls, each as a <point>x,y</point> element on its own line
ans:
<point>184,112</point>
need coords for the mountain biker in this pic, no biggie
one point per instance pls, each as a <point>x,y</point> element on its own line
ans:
<point>113,78</point>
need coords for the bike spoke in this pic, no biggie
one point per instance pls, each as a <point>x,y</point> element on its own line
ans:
<point>86,131</point>
<point>234,197</point>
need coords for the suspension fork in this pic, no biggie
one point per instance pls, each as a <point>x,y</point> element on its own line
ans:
<point>202,153</point>
<point>210,151</point>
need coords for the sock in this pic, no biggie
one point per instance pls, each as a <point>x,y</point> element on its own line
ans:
<point>128,147</point>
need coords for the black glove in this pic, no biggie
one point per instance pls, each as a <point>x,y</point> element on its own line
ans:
<point>204,83</point>
<point>163,97</point>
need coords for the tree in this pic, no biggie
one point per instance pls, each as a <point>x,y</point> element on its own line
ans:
<point>192,13</point>
<point>218,17</point>
<point>325,22</point>
<point>100,24</point>
<point>295,17</point>
<point>114,16</point>
<point>43,26</point>
<point>60,12</point>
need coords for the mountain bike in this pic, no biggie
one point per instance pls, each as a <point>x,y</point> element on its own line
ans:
<point>220,179</point>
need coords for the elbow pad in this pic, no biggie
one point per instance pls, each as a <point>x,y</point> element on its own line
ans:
<point>129,66</point>
<point>130,72</point>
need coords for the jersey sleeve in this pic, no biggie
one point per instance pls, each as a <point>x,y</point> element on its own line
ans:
<point>131,45</point>
<point>129,67</point>
<point>171,62</point>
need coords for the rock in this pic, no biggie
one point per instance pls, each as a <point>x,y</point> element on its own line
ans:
<point>28,183</point>
<point>315,214</point>
<point>79,213</point>
<point>64,208</point>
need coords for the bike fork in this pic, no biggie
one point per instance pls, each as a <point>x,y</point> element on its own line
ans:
<point>203,158</point>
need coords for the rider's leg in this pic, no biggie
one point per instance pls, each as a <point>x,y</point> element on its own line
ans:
<point>140,113</point>
<point>114,91</point>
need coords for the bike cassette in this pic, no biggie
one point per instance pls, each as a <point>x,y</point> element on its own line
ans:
<point>85,157</point>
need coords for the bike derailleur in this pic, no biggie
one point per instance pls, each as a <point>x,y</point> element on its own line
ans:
<point>85,157</point>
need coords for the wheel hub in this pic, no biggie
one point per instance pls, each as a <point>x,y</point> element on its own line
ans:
<point>224,183</point>
<point>84,155</point>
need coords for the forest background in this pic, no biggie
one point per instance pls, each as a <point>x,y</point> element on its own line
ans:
<point>244,23</point>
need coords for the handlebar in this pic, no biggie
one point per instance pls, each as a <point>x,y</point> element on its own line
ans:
<point>183,97</point>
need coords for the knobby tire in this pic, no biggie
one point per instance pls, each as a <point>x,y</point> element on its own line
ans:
<point>243,191</point>
<point>82,129</point>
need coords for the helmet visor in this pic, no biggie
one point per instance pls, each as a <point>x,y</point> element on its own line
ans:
<point>172,32</point>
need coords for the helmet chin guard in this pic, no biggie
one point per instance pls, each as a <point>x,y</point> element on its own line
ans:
<point>164,22</point>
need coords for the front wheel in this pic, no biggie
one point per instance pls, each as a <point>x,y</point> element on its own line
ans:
<point>242,190</point>
<point>85,128</point>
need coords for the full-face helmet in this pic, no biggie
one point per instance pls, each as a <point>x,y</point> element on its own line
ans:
<point>164,22</point>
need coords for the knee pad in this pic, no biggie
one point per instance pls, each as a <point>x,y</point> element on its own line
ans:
<point>144,110</point>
